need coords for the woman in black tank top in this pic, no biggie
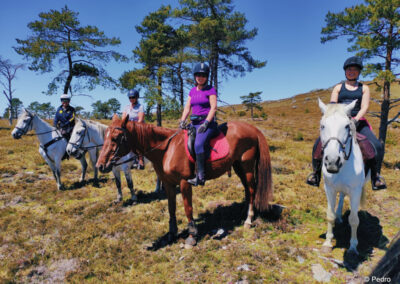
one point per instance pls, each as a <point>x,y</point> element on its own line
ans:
<point>345,93</point>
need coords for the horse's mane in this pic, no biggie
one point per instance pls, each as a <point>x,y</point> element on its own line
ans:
<point>145,130</point>
<point>101,128</point>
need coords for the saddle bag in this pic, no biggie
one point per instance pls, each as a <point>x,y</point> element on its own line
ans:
<point>367,149</point>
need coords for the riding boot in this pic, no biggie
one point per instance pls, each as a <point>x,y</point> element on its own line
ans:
<point>377,181</point>
<point>200,176</point>
<point>315,177</point>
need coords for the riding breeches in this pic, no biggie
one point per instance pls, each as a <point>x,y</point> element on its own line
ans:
<point>203,139</point>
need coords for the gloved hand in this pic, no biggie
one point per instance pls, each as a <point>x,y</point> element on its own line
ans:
<point>182,124</point>
<point>203,127</point>
<point>63,132</point>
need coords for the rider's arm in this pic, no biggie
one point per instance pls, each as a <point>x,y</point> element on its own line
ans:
<point>335,94</point>
<point>186,110</point>
<point>213,104</point>
<point>141,114</point>
<point>364,103</point>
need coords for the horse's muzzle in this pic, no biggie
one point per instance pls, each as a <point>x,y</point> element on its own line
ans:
<point>16,135</point>
<point>333,167</point>
<point>105,168</point>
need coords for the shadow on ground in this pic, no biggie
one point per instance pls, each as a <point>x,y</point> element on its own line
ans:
<point>227,217</point>
<point>369,235</point>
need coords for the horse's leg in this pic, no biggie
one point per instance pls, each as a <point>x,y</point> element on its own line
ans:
<point>158,186</point>
<point>170,190</point>
<point>248,182</point>
<point>117,176</point>
<point>186,191</point>
<point>129,181</point>
<point>330,215</point>
<point>84,168</point>
<point>339,209</point>
<point>353,219</point>
<point>93,155</point>
<point>54,168</point>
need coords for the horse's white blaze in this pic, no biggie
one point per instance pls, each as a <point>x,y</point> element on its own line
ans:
<point>341,175</point>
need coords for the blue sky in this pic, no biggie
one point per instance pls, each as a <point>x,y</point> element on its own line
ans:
<point>288,38</point>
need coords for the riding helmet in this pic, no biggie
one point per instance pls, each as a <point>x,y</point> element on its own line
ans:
<point>65,97</point>
<point>133,93</point>
<point>201,68</point>
<point>353,61</point>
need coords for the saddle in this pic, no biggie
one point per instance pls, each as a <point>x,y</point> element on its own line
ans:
<point>218,148</point>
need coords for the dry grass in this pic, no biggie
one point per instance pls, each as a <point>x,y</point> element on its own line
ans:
<point>80,235</point>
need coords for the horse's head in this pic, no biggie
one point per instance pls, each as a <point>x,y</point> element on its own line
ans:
<point>77,138</point>
<point>337,131</point>
<point>24,124</point>
<point>115,144</point>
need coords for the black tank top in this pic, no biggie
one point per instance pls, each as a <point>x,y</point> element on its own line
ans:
<point>347,96</point>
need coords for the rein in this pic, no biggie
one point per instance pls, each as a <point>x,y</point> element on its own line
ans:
<point>342,145</point>
<point>125,139</point>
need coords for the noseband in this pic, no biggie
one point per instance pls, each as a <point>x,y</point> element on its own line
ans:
<point>342,145</point>
<point>114,159</point>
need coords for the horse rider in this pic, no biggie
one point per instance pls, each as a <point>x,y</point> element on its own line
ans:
<point>202,101</point>
<point>135,112</point>
<point>345,93</point>
<point>65,117</point>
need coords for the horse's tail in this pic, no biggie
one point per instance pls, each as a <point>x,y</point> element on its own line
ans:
<point>263,175</point>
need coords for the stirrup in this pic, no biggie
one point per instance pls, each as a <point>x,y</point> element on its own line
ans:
<point>313,179</point>
<point>196,181</point>
<point>380,179</point>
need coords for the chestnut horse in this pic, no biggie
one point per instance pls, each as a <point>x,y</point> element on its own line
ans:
<point>248,155</point>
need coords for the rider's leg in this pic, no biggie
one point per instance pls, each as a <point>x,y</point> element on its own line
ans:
<point>202,139</point>
<point>374,164</point>
<point>315,177</point>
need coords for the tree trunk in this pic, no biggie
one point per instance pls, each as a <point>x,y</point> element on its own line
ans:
<point>69,78</point>
<point>159,117</point>
<point>181,95</point>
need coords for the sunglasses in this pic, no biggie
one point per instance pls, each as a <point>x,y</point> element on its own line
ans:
<point>64,100</point>
<point>201,75</point>
<point>132,98</point>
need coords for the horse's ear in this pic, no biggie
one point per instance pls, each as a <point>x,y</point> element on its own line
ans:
<point>350,107</point>
<point>125,119</point>
<point>115,117</point>
<point>322,106</point>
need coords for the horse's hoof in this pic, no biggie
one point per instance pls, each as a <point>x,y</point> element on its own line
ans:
<point>247,226</point>
<point>118,200</point>
<point>171,238</point>
<point>326,249</point>
<point>190,242</point>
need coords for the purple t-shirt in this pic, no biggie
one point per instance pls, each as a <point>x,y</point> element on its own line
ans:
<point>200,101</point>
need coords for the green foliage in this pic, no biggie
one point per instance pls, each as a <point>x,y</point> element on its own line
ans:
<point>242,113</point>
<point>306,110</point>
<point>16,106</point>
<point>251,101</point>
<point>81,50</point>
<point>299,137</point>
<point>218,35</point>
<point>104,110</point>
<point>44,110</point>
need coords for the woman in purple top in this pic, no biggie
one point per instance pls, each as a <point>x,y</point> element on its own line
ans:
<point>203,103</point>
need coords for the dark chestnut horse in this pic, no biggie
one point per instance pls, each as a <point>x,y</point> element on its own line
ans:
<point>248,155</point>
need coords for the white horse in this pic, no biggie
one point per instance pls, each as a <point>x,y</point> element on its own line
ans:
<point>88,136</point>
<point>343,167</point>
<point>52,144</point>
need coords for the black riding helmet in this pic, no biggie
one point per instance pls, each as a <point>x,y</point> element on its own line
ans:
<point>353,61</point>
<point>201,68</point>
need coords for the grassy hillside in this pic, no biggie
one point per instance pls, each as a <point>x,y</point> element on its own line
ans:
<point>80,235</point>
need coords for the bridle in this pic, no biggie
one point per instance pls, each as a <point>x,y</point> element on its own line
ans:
<point>124,138</point>
<point>28,126</point>
<point>79,143</point>
<point>342,145</point>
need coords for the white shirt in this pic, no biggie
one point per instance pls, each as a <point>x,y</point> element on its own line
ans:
<point>133,112</point>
